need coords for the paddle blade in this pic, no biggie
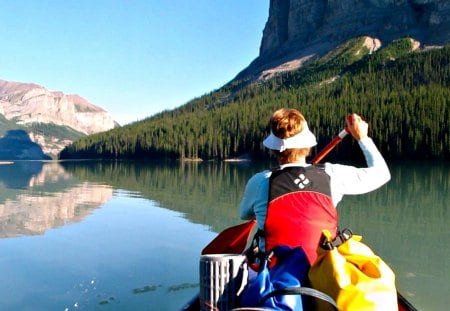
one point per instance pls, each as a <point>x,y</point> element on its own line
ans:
<point>231,240</point>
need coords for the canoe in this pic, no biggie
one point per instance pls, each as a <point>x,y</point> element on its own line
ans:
<point>233,240</point>
<point>194,305</point>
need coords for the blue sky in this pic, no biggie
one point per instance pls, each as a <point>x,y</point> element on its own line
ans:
<point>133,58</point>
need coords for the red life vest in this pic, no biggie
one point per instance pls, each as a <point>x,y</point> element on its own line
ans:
<point>300,207</point>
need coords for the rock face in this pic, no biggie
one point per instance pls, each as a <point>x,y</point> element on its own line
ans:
<point>30,103</point>
<point>25,104</point>
<point>297,29</point>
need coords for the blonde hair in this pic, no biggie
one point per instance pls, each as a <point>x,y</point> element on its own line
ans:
<point>286,123</point>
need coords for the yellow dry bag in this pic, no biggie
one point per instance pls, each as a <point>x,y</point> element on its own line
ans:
<point>348,271</point>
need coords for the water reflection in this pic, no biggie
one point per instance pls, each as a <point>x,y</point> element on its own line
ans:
<point>206,193</point>
<point>209,193</point>
<point>19,174</point>
<point>37,196</point>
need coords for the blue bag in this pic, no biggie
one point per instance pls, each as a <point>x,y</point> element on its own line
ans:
<point>275,287</point>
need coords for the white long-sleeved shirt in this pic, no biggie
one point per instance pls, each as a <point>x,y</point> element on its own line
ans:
<point>344,179</point>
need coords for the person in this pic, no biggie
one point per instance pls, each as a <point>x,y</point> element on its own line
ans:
<point>295,202</point>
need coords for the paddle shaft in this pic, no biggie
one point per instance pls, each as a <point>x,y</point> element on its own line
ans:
<point>330,146</point>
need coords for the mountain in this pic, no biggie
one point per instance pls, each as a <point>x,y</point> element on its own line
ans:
<point>52,119</point>
<point>300,30</point>
<point>328,59</point>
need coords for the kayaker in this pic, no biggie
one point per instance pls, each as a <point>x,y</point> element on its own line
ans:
<point>293,204</point>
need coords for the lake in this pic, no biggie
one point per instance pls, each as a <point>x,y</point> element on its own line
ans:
<point>93,235</point>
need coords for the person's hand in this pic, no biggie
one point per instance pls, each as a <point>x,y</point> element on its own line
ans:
<point>357,126</point>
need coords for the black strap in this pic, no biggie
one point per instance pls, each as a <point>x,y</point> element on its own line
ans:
<point>342,237</point>
<point>260,233</point>
<point>300,291</point>
<point>253,252</point>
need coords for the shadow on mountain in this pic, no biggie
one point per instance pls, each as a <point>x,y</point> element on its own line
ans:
<point>17,145</point>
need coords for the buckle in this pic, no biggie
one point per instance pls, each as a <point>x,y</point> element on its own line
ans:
<point>342,237</point>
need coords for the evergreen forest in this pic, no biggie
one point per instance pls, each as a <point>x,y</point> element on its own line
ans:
<point>403,94</point>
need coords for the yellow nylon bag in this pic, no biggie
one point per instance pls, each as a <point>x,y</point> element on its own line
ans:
<point>353,275</point>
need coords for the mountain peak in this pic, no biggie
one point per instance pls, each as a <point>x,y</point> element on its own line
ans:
<point>51,119</point>
<point>31,103</point>
<point>303,29</point>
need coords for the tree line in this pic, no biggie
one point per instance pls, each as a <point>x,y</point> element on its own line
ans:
<point>404,95</point>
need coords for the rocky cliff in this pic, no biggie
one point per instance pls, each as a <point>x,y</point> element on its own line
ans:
<point>298,30</point>
<point>26,104</point>
<point>31,103</point>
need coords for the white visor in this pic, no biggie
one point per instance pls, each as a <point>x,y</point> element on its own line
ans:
<point>304,139</point>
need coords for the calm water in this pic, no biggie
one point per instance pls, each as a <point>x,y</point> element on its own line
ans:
<point>127,236</point>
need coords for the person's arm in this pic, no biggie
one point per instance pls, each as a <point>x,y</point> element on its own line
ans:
<point>351,180</point>
<point>254,200</point>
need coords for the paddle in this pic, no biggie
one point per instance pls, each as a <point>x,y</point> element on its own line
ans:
<point>330,145</point>
<point>234,239</point>
<point>231,240</point>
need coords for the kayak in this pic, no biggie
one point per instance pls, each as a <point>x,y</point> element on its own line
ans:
<point>233,240</point>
